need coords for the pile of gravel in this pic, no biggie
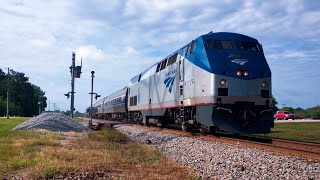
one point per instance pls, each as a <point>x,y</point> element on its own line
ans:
<point>52,121</point>
<point>218,160</point>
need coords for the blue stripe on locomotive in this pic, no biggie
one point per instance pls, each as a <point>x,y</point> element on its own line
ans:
<point>217,61</point>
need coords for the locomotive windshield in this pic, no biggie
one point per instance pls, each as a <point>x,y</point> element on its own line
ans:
<point>237,45</point>
<point>218,44</point>
<point>248,46</point>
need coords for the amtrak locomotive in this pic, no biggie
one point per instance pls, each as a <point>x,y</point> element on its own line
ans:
<point>219,81</point>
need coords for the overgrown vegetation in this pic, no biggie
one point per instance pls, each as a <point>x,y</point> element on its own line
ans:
<point>313,112</point>
<point>23,97</point>
<point>300,113</point>
<point>300,131</point>
<point>42,154</point>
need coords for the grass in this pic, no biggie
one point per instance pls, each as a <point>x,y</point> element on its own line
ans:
<point>300,131</point>
<point>18,149</point>
<point>42,154</point>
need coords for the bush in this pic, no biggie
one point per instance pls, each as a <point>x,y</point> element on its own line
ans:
<point>315,114</point>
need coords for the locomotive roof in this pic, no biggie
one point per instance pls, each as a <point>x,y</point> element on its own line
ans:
<point>210,35</point>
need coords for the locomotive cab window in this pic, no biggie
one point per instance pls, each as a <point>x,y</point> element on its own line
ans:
<point>190,48</point>
<point>218,44</point>
<point>248,46</point>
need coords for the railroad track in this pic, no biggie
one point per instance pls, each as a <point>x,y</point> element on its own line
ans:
<point>296,148</point>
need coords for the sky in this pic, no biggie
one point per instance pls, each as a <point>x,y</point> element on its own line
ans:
<point>121,38</point>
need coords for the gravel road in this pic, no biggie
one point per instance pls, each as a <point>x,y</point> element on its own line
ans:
<point>216,160</point>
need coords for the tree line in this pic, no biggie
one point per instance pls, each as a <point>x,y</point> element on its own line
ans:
<point>23,95</point>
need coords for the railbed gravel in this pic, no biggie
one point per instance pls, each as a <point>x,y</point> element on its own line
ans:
<point>217,160</point>
<point>52,121</point>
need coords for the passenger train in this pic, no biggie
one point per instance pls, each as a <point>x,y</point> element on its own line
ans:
<point>218,81</point>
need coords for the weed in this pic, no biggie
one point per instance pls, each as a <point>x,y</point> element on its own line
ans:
<point>41,155</point>
<point>110,135</point>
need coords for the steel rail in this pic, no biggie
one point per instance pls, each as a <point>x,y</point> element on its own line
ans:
<point>295,148</point>
<point>288,147</point>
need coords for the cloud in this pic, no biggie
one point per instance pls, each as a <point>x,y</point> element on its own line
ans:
<point>90,53</point>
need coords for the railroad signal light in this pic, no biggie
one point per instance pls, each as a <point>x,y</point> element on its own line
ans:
<point>68,95</point>
<point>97,96</point>
<point>78,72</point>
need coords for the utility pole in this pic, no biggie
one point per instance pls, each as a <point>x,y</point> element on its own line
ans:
<point>75,73</point>
<point>72,69</point>
<point>8,94</point>
<point>92,93</point>
<point>39,107</point>
<point>42,105</point>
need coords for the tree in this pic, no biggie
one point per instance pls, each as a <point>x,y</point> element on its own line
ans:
<point>78,114</point>
<point>290,109</point>
<point>68,112</point>
<point>274,105</point>
<point>23,97</point>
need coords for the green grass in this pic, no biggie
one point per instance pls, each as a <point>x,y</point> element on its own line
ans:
<point>18,149</point>
<point>7,124</point>
<point>300,131</point>
<point>39,154</point>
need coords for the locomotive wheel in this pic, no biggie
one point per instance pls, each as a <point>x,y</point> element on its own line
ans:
<point>184,127</point>
<point>203,129</point>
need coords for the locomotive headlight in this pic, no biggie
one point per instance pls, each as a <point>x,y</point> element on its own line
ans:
<point>223,82</point>
<point>239,73</point>
<point>264,83</point>
<point>245,73</point>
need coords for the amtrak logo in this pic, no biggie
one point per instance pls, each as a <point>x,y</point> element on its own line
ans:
<point>169,82</point>
<point>240,61</point>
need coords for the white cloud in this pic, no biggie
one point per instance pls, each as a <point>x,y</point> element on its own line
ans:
<point>90,53</point>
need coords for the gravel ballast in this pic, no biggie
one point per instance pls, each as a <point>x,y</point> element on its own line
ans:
<point>225,161</point>
<point>52,121</point>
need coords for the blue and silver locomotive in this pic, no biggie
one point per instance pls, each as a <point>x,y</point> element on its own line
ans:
<point>219,81</point>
